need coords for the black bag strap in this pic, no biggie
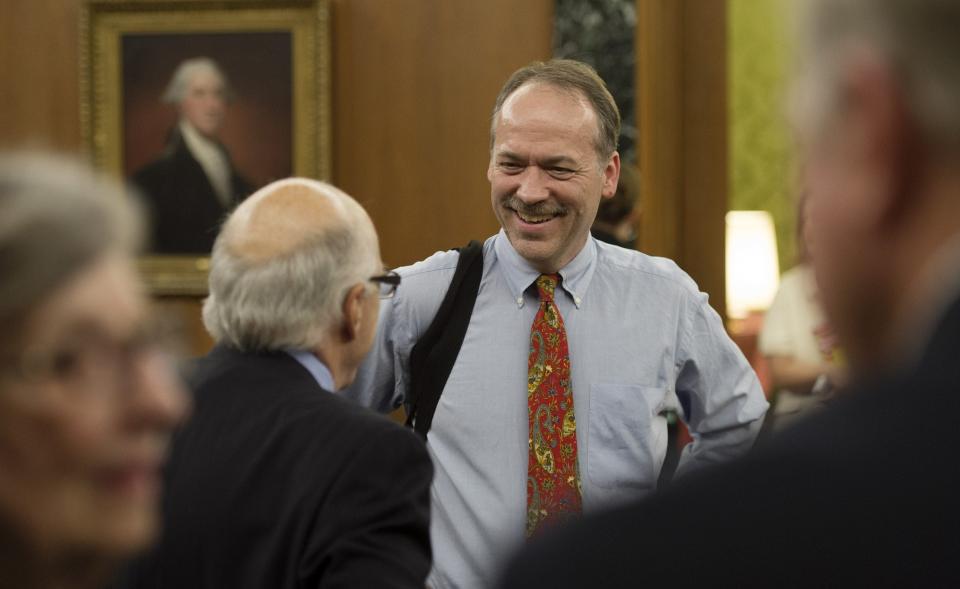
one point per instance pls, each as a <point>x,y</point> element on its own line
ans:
<point>435,353</point>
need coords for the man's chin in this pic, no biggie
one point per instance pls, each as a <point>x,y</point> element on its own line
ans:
<point>210,130</point>
<point>537,250</point>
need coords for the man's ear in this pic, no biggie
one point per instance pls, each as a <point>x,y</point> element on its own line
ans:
<point>611,175</point>
<point>889,137</point>
<point>353,312</point>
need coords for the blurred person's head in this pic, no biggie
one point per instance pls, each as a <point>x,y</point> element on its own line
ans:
<point>877,104</point>
<point>553,158</point>
<point>86,402</point>
<point>617,216</point>
<point>291,269</point>
<point>200,91</point>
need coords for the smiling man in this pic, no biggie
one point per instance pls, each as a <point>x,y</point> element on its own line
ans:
<point>574,349</point>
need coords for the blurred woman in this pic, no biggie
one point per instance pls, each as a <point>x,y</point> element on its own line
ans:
<point>798,343</point>
<point>86,400</point>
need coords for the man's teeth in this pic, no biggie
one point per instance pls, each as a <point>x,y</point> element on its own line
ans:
<point>534,219</point>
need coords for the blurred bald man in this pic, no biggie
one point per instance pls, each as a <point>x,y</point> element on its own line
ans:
<point>277,482</point>
<point>865,494</point>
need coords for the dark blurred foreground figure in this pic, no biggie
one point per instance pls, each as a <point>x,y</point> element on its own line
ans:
<point>864,494</point>
<point>277,481</point>
<point>86,400</point>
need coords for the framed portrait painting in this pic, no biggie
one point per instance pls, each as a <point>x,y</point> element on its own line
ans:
<point>198,103</point>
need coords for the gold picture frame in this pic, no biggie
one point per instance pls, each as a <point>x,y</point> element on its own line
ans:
<point>108,26</point>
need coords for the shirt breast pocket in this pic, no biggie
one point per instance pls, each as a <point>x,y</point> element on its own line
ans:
<point>623,442</point>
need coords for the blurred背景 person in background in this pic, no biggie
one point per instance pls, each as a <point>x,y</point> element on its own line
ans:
<point>801,350</point>
<point>87,401</point>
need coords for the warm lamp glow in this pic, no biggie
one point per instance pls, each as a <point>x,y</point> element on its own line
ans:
<point>753,273</point>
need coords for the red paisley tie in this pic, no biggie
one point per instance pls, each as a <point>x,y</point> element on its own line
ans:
<point>553,477</point>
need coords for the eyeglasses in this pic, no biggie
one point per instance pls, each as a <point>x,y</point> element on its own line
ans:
<point>93,361</point>
<point>388,282</point>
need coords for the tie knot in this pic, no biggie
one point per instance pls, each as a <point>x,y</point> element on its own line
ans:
<point>546,285</point>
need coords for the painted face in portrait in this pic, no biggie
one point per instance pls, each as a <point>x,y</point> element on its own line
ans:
<point>85,415</point>
<point>204,103</point>
<point>545,175</point>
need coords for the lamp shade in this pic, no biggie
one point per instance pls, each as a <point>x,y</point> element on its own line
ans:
<point>753,273</point>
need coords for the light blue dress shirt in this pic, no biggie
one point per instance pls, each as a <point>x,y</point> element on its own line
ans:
<point>642,340</point>
<point>315,367</point>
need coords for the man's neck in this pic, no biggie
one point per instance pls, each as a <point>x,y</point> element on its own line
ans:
<point>192,136</point>
<point>925,297</point>
<point>335,359</point>
<point>923,265</point>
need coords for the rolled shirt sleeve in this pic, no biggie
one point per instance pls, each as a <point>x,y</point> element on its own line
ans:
<point>723,402</point>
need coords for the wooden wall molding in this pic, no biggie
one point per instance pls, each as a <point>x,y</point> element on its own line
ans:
<point>682,119</point>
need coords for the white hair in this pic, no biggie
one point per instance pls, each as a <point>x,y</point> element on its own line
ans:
<point>57,216</point>
<point>180,81</point>
<point>918,39</point>
<point>291,300</point>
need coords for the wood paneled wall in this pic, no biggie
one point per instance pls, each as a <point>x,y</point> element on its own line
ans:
<point>413,85</point>
<point>682,90</point>
<point>39,92</point>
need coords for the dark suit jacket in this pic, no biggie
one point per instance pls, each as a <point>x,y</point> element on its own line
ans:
<point>276,483</point>
<point>865,494</point>
<point>184,209</point>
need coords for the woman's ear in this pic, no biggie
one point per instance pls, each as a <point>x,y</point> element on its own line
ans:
<point>353,312</point>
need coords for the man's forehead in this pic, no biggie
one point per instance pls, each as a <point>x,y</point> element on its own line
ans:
<point>547,157</point>
<point>540,100</point>
<point>206,76</point>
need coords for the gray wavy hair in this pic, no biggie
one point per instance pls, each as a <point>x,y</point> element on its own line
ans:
<point>290,301</point>
<point>575,77</point>
<point>56,218</point>
<point>918,38</point>
<point>180,81</point>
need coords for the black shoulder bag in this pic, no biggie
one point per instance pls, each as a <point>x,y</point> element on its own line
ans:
<point>435,353</point>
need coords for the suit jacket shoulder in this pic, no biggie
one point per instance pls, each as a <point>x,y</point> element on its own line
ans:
<point>277,483</point>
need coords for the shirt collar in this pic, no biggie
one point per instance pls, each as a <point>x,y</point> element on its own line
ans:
<point>317,369</point>
<point>576,275</point>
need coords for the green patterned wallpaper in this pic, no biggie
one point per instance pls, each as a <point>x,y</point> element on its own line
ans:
<point>761,171</point>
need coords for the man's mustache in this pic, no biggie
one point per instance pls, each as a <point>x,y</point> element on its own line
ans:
<point>540,209</point>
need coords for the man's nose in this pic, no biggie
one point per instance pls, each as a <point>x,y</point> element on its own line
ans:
<point>533,185</point>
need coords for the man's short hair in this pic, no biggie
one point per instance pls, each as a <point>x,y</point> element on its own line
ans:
<point>575,77</point>
<point>56,218</point>
<point>918,38</point>
<point>180,81</point>
<point>290,301</point>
